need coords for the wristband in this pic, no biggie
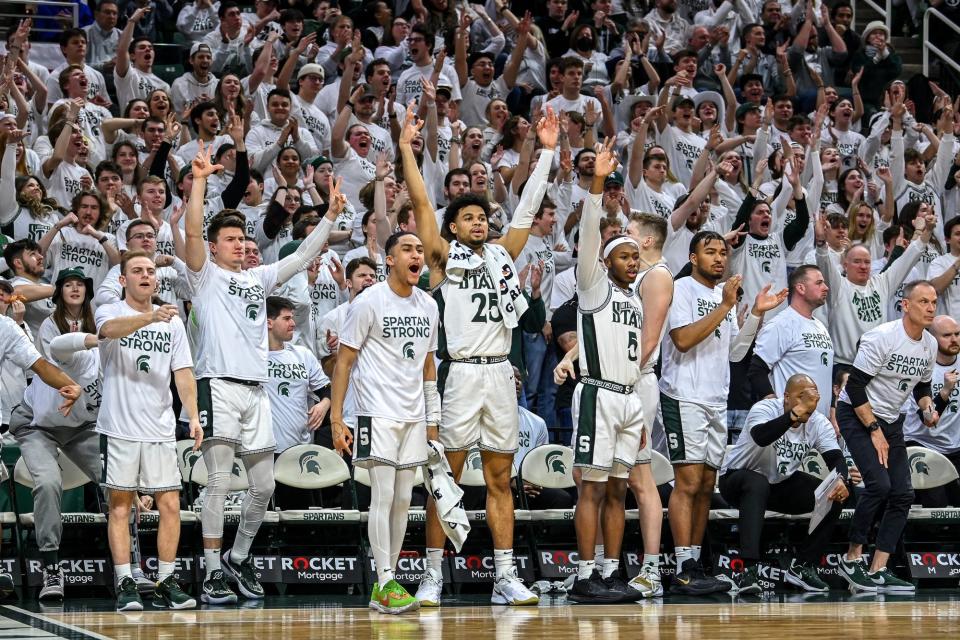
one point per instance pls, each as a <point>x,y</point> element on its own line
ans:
<point>103,239</point>
<point>873,426</point>
<point>431,401</point>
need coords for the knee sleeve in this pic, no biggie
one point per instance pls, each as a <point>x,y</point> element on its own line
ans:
<point>262,485</point>
<point>218,458</point>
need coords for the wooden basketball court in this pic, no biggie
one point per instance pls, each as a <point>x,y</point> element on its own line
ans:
<point>783,616</point>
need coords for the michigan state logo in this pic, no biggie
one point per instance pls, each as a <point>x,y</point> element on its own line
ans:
<point>904,384</point>
<point>918,463</point>
<point>952,408</point>
<point>474,461</point>
<point>825,359</point>
<point>236,469</point>
<point>782,468</point>
<point>765,266</point>
<point>251,311</point>
<point>284,389</point>
<point>408,351</point>
<point>190,457</point>
<point>143,364</point>
<point>309,463</point>
<point>554,462</point>
<point>813,466</point>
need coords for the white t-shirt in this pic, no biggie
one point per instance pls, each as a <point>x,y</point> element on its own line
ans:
<point>531,434</point>
<point>793,344</point>
<point>561,104</point>
<point>394,336</point>
<point>230,313</point>
<point>409,86</point>
<point>356,173</point>
<point>702,374</point>
<point>682,149</point>
<point>137,401</point>
<point>136,84</point>
<point>473,107</point>
<point>15,346</point>
<point>784,457</point>
<point>65,182</point>
<point>294,372</point>
<point>96,85</point>
<point>950,298</point>
<point>363,252</point>
<point>70,248</point>
<point>44,402</point>
<point>945,436</point>
<point>897,363</point>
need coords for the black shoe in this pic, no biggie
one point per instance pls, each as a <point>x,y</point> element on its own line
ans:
<point>6,584</point>
<point>593,591</point>
<point>618,585</point>
<point>720,585</point>
<point>748,581</point>
<point>691,581</point>
<point>243,574</point>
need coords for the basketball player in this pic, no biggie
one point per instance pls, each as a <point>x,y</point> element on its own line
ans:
<point>894,359</point>
<point>607,415</point>
<point>140,345</point>
<point>704,336</point>
<point>231,349</point>
<point>390,334</point>
<point>480,301</point>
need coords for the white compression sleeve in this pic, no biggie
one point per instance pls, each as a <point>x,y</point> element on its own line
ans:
<point>308,250</point>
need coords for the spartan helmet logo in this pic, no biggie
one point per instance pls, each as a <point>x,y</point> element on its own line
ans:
<point>284,389</point>
<point>251,311</point>
<point>919,464</point>
<point>309,463</point>
<point>903,384</point>
<point>143,364</point>
<point>554,462</point>
<point>813,466</point>
<point>825,359</point>
<point>190,457</point>
<point>782,467</point>
<point>408,352</point>
<point>236,469</point>
<point>952,408</point>
<point>474,461</point>
<point>765,266</point>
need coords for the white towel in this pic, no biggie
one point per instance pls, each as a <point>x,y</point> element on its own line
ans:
<point>500,266</point>
<point>449,496</point>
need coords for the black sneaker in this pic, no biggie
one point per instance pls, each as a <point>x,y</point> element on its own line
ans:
<point>169,595</point>
<point>52,583</point>
<point>691,581</point>
<point>128,597</point>
<point>243,574</point>
<point>748,581</point>
<point>593,591</point>
<point>721,584</point>
<point>216,591</point>
<point>6,584</point>
<point>627,593</point>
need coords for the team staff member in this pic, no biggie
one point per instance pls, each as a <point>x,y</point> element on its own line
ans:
<point>232,351</point>
<point>390,335</point>
<point>764,471</point>
<point>894,359</point>
<point>140,345</point>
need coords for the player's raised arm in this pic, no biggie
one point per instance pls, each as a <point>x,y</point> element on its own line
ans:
<point>589,269</point>
<point>202,169</point>
<point>435,246</point>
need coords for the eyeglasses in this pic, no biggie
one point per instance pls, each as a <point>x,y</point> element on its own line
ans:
<point>144,236</point>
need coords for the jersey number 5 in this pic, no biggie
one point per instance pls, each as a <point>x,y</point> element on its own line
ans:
<point>633,347</point>
<point>487,307</point>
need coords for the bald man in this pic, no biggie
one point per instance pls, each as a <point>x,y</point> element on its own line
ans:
<point>765,471</point>
<point>945,436</point>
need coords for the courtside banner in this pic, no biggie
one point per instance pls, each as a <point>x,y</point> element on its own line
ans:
<point>557,564</point>
<point>633,561</point>
<point>184,571</point>
<point>411,567</point>
<point>769,577</point>
<point>76,572</point>
<point>313,569</point>
<point>479,567</point>
<point>11,566</point>
<point>934,563</point>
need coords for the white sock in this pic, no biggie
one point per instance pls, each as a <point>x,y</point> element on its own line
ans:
<point>241,547</point>
<point>598,554</point>
<point>165,570</point>
<point>695,552</point>
<point>651,560</point>
<point>211,558</point>
<point>610,567</point>
<point>503,561</point>
<point>683,554</point>
<point>585,569</point>
<point>435,560</point>
<point>121,571</point>
<point>385,576</point>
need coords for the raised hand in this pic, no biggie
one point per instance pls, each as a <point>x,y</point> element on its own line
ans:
<point>202,166</point>
<point>410,126</point>
<point>384,167</point>
<point>766,301</point>
<point>337,200</point>
<point>736,235</point>
<point>165,313</point>
<point>730,288</point>
<point>606,162</point>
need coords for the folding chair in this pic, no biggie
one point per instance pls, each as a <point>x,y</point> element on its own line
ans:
<point>549,466</point>
<point>929,469</point>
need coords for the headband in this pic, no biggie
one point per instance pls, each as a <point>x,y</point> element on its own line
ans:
<point>616,243</point>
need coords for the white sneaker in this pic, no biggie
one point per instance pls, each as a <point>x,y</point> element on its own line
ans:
<point>510,590</point>
<point>144,584</point>
<point>430,589</point>
<point>648,582</point>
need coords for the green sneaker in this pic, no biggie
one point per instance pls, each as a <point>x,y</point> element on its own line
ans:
<point>375,597</point>
<point>887,582</point>
<point>855,573</point>
<point>392,598</point>
<point>806,577</point>
<point>128,597</point>
<point>169,595</point>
